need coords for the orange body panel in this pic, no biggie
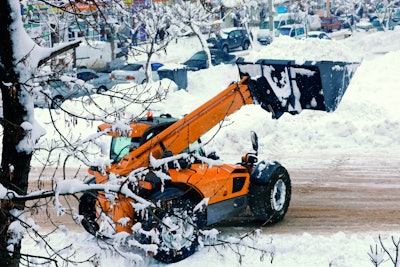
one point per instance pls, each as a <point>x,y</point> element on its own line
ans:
<point>188,129</point>
<point>216,182</point>
<point>137,129</point>
<point>119,210</point>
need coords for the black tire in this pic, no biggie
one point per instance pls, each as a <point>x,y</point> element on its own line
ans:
<point>101,89</point>
<point>57,102</point>
<point>180,242</point>
<point>246,45</point>
<point>270,202</point>
<point>87,208</point>
<point>225,48</point>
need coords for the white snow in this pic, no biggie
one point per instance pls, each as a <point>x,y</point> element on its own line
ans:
<point>366,122</point>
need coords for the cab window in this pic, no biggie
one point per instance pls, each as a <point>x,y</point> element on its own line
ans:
<point>120,146</point>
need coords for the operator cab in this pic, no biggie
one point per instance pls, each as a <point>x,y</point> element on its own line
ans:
<point>122,145</point>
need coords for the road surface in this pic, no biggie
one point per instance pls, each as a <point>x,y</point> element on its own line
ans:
<point>344,193</point>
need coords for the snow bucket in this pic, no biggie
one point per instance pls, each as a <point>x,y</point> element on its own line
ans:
<point>281,86</point>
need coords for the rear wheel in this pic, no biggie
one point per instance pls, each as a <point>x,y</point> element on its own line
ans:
<point>225,48</point>
<point>270,202</point>
<point>246,45</point>
<point>101,89</point>
<point>176,224</point>
<point>87,208</point>
<point>87,203</point>
<point>57,102</point>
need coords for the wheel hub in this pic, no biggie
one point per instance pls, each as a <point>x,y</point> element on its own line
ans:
<point>177,231</point>
<point>279,195</point>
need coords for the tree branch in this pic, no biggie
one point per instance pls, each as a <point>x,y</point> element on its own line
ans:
<point>59,51</point>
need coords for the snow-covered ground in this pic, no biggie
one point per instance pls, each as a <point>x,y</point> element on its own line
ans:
<point>366,123</point>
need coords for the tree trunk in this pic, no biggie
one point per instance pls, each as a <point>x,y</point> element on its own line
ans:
<point>14,164</point>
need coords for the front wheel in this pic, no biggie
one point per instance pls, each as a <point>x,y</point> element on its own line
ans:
<point>87,208</point>
<point>270,202</point>
<point>225,48</point>
<point>246,45</point>
<point>176,225</point>
<point>57,102</point>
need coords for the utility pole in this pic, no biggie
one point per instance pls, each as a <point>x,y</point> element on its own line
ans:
<point>328,8</point>
<point>271,19</point>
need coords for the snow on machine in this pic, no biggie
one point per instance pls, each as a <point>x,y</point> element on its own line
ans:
<point>174,190</point>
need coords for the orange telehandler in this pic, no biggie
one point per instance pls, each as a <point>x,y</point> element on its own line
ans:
<point>176,190</point>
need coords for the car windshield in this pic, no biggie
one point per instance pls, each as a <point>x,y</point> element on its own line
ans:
<point>376,23</point>
<point>326,21</point>
<point>264,25</point>
<point>55,83</point>
<point>284,31</point>
<point>156,66</point>
<point>198,56</point>
<point>86,75</point>
<point>132,67</point>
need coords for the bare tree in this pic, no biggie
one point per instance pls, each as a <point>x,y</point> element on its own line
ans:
<point>383,11</point>
<point>242,12</point>
<point>377,254</point>
<point>18,66</point>
<point>154,22</point>
<point>196,16</point>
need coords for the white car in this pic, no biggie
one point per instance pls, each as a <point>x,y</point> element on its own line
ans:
<point>365,26</point>
<point>101,82</point>
<point>263,34</point>
<point>296,31</point>
<point>54,92</point>
<point>319,35</point>
<point>135,72</point>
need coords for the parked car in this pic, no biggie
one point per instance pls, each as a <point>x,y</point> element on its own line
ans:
<point>199,60</point>
<point>319,35</point>
<point>365,26</point>
<point>263,34</point>
<point>55,91</point>
<point>296,31</point>
<point>135,72</point>
<point>329,24</point>
<point>101,82</point>
<point>381,25</point>
<point>230,38</point>
<point>396,17</point>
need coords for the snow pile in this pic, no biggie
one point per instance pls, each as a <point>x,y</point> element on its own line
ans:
<point>306,50</point>
<point>296,250</point>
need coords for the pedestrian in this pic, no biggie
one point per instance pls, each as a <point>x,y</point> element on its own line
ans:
<point>160,36</point>
<point>135,38</point>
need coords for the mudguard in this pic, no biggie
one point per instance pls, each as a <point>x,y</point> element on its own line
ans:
<point>262,171</point>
